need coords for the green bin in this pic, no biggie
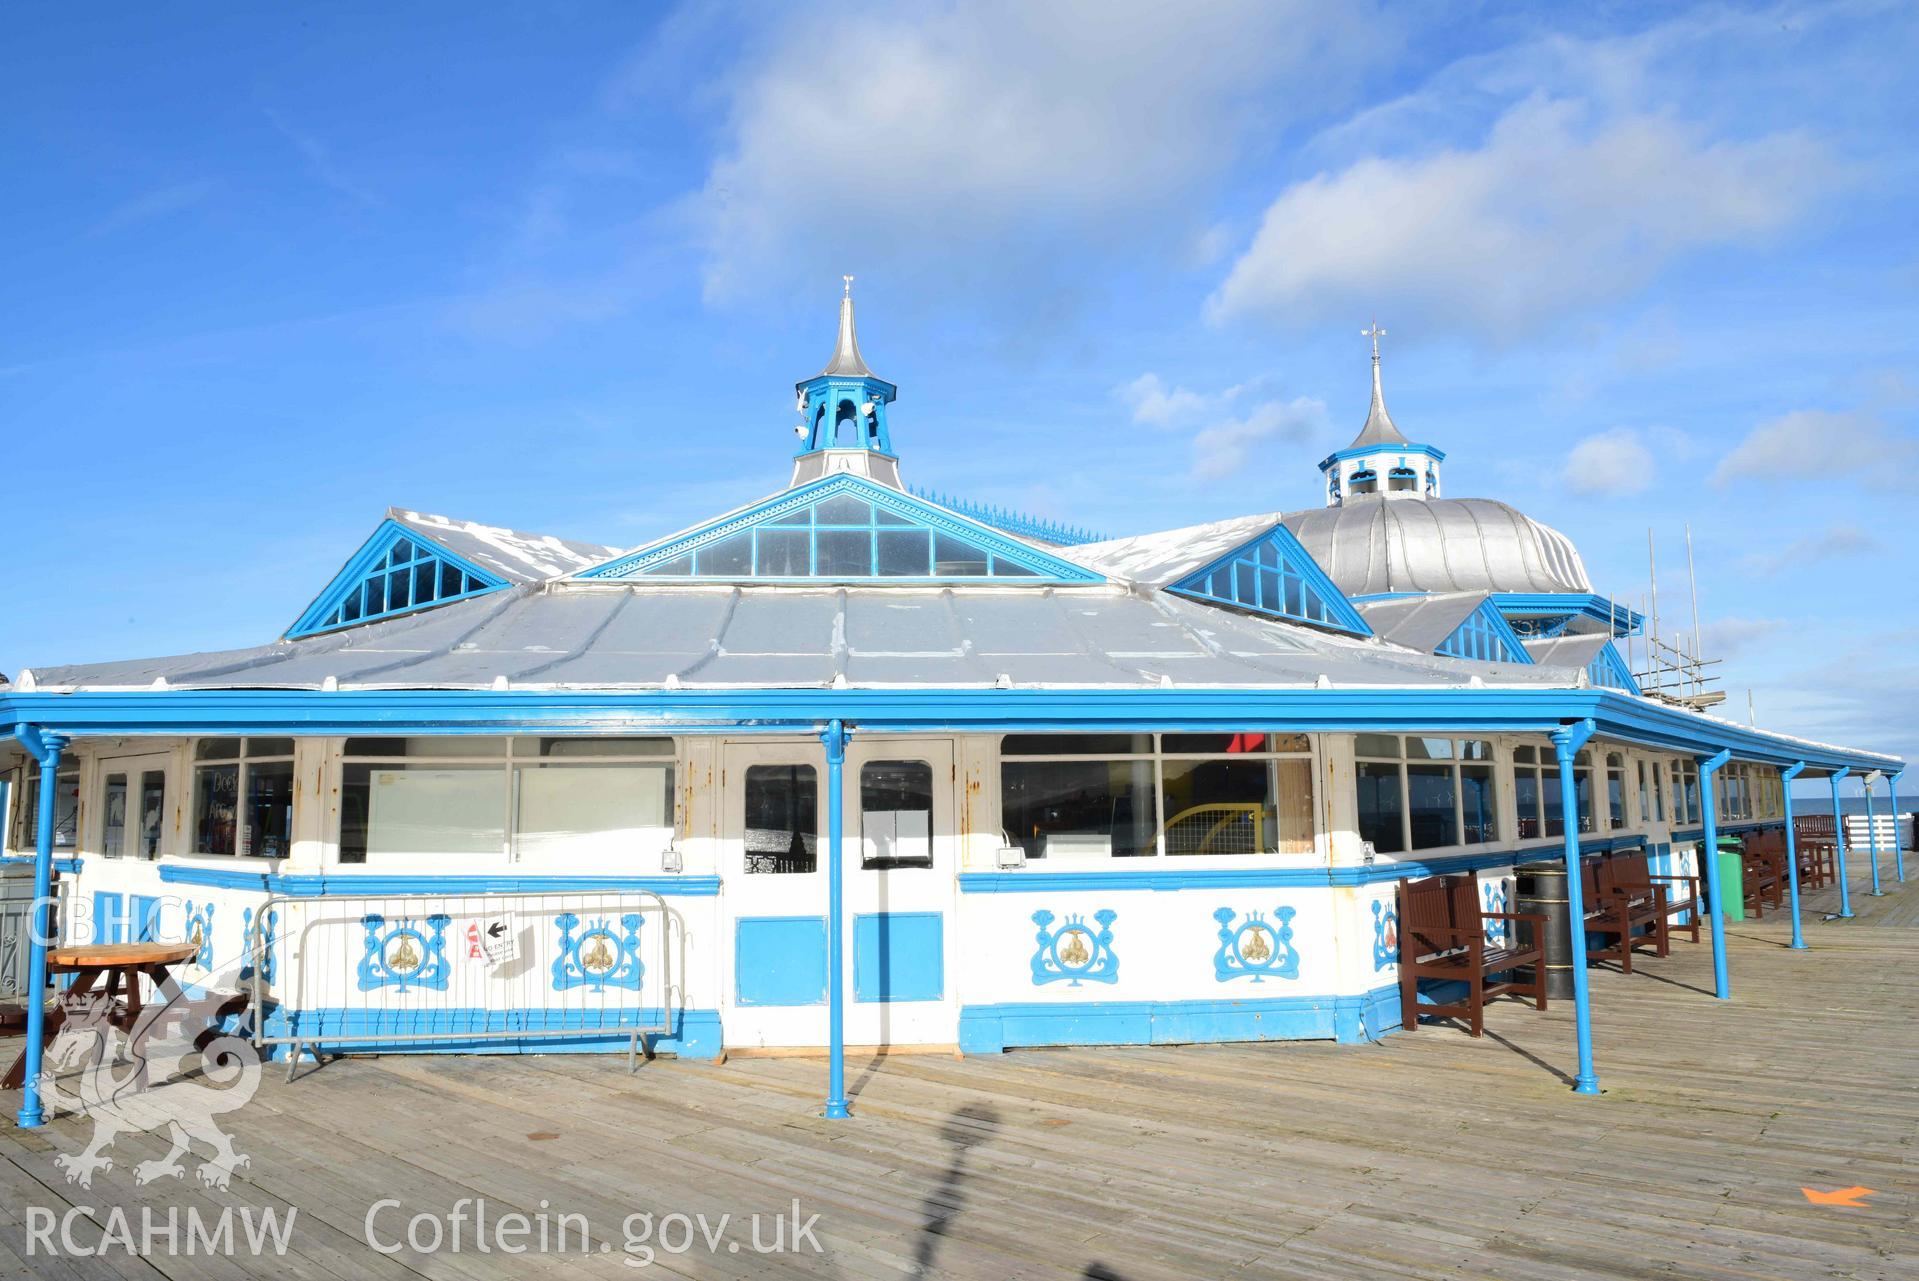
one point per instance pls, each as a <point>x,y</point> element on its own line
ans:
<point>1732,881</point>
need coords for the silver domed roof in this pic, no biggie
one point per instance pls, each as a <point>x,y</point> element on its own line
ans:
<point>1440,545</point>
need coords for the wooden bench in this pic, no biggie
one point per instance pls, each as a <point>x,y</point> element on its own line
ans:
<point>1818,864</point>
<point>1442,935</point>
<point>1762,858</point>
<point>1629,872</point>
<point>1620,915</point>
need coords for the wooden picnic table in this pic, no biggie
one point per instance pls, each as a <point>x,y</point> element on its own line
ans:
<point>121,964</point>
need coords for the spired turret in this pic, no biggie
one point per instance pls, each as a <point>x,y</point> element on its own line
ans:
<point>843,413</point>
<point>1381,462</point>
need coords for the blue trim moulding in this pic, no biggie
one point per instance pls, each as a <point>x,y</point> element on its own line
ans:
<point>974,710</point>
<point>1274,575</point>
<point>1030,565</point>
<point>1364,451</point>
<point>321,884</point>
<point>1623,620</point>
<point>1243,878</point>
<point>355,573</point>
<point>70,866</point>
<point>988,1029</point>
<point>693,1034</point>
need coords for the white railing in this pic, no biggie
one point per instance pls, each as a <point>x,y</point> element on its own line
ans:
<point>389,972</point>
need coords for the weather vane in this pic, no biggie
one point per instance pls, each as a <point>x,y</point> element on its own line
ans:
<point>849,285</point>
<point>1373,332</point>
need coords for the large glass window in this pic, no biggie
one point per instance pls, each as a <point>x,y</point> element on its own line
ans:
<point>1096,796</point>
<point>66,810</point>
<point>1542,810</point>
<point>896,814</point>
<point>113,815</point>
<point>152,813</point>
<point>782,819</point>
<point>530,798</point>
<point>1446,785</point>
<point>243,797</point>
<point>1616,791</point>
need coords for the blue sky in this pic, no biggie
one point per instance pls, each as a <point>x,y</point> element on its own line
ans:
<point>557,266</point>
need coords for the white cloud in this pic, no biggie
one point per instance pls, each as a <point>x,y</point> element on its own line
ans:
<point>1615,463</point>
<point>1559,208</point>
<point>1819,442</point>
<point>1224,447</point>
<point>1730,637</point>
<point>996,133</point>
<point>1152,401</point>
<point>1222,440</point>
<point>1840,540</point>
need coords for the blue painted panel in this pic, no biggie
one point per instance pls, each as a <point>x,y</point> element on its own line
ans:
<point>986,1029</point>
<point>779,960</point>
<point>899,956</point>
<point>693,1034</point>
<point>145,918</point>
<point>109,917</point>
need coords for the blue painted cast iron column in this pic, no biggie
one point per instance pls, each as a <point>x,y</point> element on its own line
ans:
<point>835,740</point>
<point>1872,833</point>
<point>1567,740</point>
<point>1839,845</point>
<point>1708,766</point>
<point>46,749</point>
<point>1898,850</point>
<point>1792,850</point>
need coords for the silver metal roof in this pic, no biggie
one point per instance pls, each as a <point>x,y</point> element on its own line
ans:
<point>1574,650</point>
<point>1169,555</point>
<point>1379,429</point>
<point>1439,545</point>
<point>1420,622</point>
<point>847,361</point>
<point>575,635</point>
<point>515,556</point>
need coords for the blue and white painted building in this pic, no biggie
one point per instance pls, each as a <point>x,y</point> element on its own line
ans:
<point>851,765</point>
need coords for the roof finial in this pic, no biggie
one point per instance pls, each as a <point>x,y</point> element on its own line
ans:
<point>846,351</point>
<point>1379,429</point>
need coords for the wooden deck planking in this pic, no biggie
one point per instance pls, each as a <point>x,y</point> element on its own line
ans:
<point>1423,1156</point>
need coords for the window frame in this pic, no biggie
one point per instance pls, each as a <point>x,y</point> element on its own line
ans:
<point>1157,756</point>
<point>1457,761</point>
<point>242,764</point>
<point>512,757</point>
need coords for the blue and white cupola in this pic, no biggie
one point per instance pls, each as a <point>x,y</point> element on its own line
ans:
<point>843,413</point>
<point>1381,462</point>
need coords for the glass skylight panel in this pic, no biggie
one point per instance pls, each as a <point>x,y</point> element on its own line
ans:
<point>1265,577</point>
<point>1482,637</point>
<point>408,576</point>
<point>842,536</point>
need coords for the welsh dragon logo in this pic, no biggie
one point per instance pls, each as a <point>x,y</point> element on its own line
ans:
<point>175,1069</point>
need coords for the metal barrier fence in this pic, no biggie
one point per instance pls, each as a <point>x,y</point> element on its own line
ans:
<point>16,925</point>
<point>379,972</point>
